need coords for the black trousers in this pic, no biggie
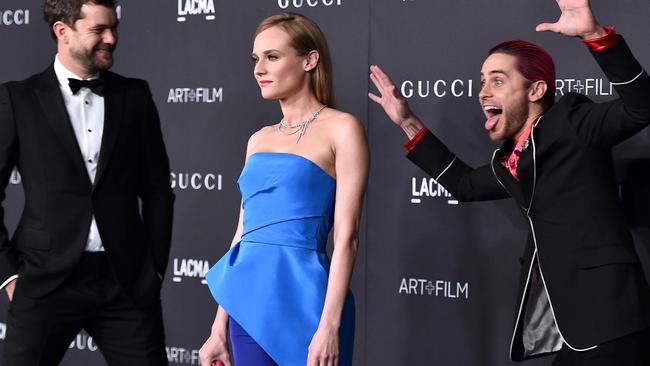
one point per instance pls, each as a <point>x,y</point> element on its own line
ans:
<point>39,331</point>
<point>631,350</point>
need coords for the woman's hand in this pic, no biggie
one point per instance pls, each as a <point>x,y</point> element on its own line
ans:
<point>215,348</point>
<point>324,348</point>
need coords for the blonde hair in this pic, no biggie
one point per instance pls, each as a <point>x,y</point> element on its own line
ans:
<point>305,37</point>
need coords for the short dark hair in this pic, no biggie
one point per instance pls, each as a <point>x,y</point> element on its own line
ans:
<point>68,11</point>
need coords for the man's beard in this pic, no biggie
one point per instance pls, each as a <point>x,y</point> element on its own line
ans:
<point>91,61</point>
<point>516,119</point>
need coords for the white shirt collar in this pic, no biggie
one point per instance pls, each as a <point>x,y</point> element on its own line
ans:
<point>63,74</point>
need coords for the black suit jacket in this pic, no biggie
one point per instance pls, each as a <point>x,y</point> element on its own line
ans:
<point>131,196</point>
<point>569,196</point>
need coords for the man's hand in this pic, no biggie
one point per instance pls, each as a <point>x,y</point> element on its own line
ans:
<point>10,288</point>
<point>393,102</point>
<point>576,20</point>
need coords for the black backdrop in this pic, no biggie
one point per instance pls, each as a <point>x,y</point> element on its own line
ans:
<point>435,280</point>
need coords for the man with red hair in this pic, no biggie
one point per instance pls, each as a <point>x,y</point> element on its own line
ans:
<point>583,293</point>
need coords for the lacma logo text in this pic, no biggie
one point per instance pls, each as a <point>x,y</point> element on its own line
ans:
<point>190,268</point>
<point>428,187</point>
<point>195,7</point>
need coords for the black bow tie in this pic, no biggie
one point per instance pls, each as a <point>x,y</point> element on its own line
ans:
<point>95,85</point>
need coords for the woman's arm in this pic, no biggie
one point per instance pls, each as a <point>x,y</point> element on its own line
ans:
<point>351,166</point>
<point>216,346</point>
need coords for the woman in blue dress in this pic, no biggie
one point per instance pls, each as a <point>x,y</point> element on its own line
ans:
<point>279,295</point>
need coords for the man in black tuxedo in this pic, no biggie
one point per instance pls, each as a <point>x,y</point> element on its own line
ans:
<point>93,241</point>
<point>583,293</point>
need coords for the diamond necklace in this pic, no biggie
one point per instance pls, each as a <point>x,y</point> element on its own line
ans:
<point>300,127</point>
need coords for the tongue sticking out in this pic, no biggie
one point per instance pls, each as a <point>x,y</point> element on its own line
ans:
<point>492,121</point>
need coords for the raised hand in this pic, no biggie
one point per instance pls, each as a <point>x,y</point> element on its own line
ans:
<point>576,20</point>
<point>393,103</point>
<point>391,100</point>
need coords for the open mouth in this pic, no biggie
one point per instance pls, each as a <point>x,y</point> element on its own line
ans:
<point>494,114</point>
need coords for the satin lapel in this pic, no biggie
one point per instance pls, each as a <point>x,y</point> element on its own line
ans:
<point>113,111</point>
<point>507,180</point>
<point>528,162</point>
<point>526,172</point>
<point>51,100</point>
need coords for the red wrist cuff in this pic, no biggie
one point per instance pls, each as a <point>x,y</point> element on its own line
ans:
<point>417,138</point>
<point>604,42</point>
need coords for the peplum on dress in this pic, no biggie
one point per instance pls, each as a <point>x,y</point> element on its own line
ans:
<point>273,282</point>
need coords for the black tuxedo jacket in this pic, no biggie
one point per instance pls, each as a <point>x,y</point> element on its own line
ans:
<point>131,196</point>
<point>569,196</point>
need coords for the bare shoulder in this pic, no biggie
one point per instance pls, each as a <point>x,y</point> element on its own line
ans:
<point>339,122</point>
<point>350,147</point>
<point>339,119</point>
<point>256,138</point>
<point>344,127</point>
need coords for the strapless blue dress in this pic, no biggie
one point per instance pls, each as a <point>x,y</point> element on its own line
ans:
<point>273,282</point>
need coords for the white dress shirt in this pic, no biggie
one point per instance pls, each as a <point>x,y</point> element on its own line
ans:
<point>86,112</point>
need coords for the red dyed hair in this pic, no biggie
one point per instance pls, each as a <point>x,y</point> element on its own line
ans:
<point>534,63</point>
